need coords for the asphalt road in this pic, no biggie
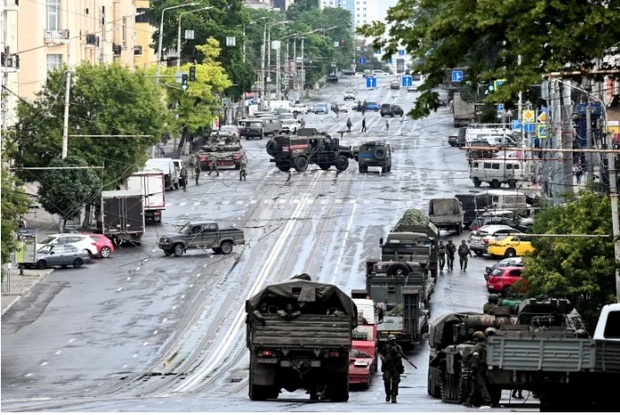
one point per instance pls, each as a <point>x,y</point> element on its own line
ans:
<point>144,332</point>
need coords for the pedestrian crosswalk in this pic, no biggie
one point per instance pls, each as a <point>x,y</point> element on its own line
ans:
<point>206,201</point>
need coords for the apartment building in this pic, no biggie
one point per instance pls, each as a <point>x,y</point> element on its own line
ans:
<point>362,11</point>
<point>144,54</point>
<point>57,32</point>
<point>9,65</point>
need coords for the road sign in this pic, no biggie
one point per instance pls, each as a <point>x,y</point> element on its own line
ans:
<point>542,117</point>
<point>406,81</point>
<point>498,82</point>
<point>529,116</point>
<point>378,52</point>
<point>389,61</point>
<point>528,128</point>
<point>371,82</point>
<point>361,61</point>
<point>500,107</point>
<point>401,52</point>
<point>541,131</point>
<point>516,125</point>
<point>457,76</point>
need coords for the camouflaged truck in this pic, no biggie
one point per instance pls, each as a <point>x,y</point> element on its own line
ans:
<point>308,147</point>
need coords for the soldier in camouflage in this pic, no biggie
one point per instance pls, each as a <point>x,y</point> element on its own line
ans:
<point>478,365</point>
<point>392,367</point>
<point>491,305</point>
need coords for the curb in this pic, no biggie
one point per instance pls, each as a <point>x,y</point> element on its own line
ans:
<point>26,286</point>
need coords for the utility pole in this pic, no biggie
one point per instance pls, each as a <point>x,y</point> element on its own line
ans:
<point>613,197</point>
<point>65,124</point>
<point>589,143</point>
<point>567,139</point>
<point>262,69</point>
<point>278,97</point>
<point>303,74</point>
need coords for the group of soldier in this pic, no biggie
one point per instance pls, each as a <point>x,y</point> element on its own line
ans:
<point>194,162</point>
<point>448,251</point>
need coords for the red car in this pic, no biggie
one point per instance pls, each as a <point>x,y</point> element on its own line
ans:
<point>363,355</point>
<point>501,280</point>
<point>104,245</point>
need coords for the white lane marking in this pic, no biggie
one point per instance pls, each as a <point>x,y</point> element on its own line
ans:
<point>156,331</point>
<point>58,352</point>
<point>125,366</point>
<point>135,355</point>
<point>239,202</point>
<point>183,296</point>
<point>182,204</point>
<point>138,269</point>
<point>28,375</point>
<point>44,363</point>
<point>71,341</point>
<point>174,307</point>
<point>239,319</point>
<point>128,278</point>
<point>198,275</point>
<point>119,290</point>
<point>344,244</point>
<point>164,320</point>
<point>196,203</point>
<point>145,343</point>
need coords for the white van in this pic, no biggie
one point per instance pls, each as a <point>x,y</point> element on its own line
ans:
<point>473,133</point>
<point>495,172</point>
<point>168,167</point>
<point>499,140</point>
<point>511,200</point>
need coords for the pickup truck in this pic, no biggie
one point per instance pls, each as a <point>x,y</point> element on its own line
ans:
<point>207,235</point>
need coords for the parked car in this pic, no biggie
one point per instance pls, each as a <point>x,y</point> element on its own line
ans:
<point>333,78</point>
<point>379,72</point>
<point>104,245</point>
<point>343,108</point>
<point>59,255</point>
<point>229,130</point>
<point>361,368</point>
<point>349,95</point>
<point>348,72</point>
<point>321,108</point>
<point>391,110</point>
<point>300,109</point>
<point>479,240</point>
<point>289,125</point>
<point>506,262</point>
<point>502,279</point>
<point>511,246</point>
<point>372,106</point>
<point>412,88</point>
<point>81,242</point>
<point>395,84</point>
<point>497,217</point>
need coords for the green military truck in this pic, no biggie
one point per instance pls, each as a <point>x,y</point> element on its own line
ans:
<point>299,334</point>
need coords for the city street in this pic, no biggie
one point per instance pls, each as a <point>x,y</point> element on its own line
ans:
<point>145,332</point>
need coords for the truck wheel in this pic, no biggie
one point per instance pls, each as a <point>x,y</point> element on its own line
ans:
<point>324,166</point>
<point>432,386</point>
<point>362,168</point>
<point>338,390</point>
<point>272,148</point>
<point>226,248</point>
<point>389,167</point>
<point>495,183</point>
<point>41,264</point>
<point>217,250</point>
<point>464,386</point>
<point>496,394</point>
<point>379,153</point>
<point>512,184</point>
<point>383,169</point>
<point>510,253</point>
<point>342,163</point>
<point>394,269</point>
<point>477,182</point>
<point>301,164</point>
<point>178,249</point>
<point>284,168</point>
<point>77,262</point>
<point>168,253</point>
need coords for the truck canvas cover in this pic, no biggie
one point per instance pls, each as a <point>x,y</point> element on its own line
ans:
<point>313,295</point>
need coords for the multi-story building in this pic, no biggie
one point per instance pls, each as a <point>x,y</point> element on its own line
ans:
<point>144,54</point>
<point>362,11</point>
<point>9,66</point>
<point>57,32</point>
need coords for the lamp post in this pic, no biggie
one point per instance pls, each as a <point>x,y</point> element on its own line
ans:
<point>267,56</point>
<point>244,39</point>
<point>161,35</point>
<point>303,72</point>
<point>179,34</point>
<point>279,63</point>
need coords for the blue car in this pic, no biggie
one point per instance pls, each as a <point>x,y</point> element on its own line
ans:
<point>321,109</point>
<point>372,106</point>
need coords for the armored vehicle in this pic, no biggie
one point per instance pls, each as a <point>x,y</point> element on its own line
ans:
<point>224,149</point>
<point>299,334</point>
<point>300,150</point>
<point>373,153</point>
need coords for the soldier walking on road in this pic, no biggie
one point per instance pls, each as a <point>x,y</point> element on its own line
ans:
<point>464,252</point>
<point>450,251</point>
<point>193,161</point>
<point>183,175</point>
<point>349,125</point>
<point>364,124</point>
<point>197,172</point>
<point>441,252</point>
<point>214,167</point>
<point>387,125</point>
<point>478,365</point>
<point>392,367</point>
<point>243,168</point>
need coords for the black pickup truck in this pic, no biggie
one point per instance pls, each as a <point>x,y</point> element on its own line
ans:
<point>207,235</point>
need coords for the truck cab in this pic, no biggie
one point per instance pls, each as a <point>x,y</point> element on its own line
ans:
<point>608,326</point>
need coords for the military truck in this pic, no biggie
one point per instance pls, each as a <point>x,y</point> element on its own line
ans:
<point>414,239</point>
<point>402,291</point>
<point>446,213</point>
<point>299,334</point>
<point>203,236</point>
<point>373,154</point>
<point>463,112</point>
<point>298,151</point>
<point>224,149</point>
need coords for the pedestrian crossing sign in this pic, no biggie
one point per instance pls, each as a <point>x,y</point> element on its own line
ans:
<point>541,131</point>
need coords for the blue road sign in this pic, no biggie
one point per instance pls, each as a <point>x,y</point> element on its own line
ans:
<point>361,61</point>
<point>401,52</point>
<point>529,128</point>
<point>516,125</point>
<point>389,61</point>
<point>541,131</point>
<point>371,83</point>
<point>378,52</point>
<point>406,81</point>
<point>457,76</point>
<point>500,107</point>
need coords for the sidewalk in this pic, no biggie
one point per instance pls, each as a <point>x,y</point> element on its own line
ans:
<point>15,286</point>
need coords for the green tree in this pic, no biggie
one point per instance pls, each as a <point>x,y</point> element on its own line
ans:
<point>105,100</point>
<point>14,203</point>
<point>581,269</point>
<point>518,41</point>
<point>198,105</point>
<point>64,192</point>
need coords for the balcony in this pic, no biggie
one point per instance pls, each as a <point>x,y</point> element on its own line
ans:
<point>55,36</point>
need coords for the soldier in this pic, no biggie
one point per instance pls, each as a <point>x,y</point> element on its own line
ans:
<point>450,251</point>
<point>349,125</point>
<point>243,168</point>
<point>464,251</point>
<point>364,124</point>
<point>193,160</point>
<point>197,172</point>
<point>289,312</point>
<point>387,125</point>
<point>441,252</point>
<point>259,314</point>
<point>478,365</point>
<point>183,175</point>
<point>213,166</point>
<point>392,367</point>
<point>491,305</point>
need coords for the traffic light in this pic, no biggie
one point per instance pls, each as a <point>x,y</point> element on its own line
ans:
<point>192,73</point>
<point>184,81</point>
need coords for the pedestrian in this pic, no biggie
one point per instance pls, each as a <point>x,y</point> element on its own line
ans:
<point>464,252</point>
<point>441,252</point>
<point>491,305</point>
<point>387,125</point>
<point>214,167</point>
<point>183,175</point>
<point>392,367</point>
<point>197,172</point>
<point>193,161</point>
<point>450,251</point>
<point>578,173</point>
<point>349,125</point>
<point>160,149</point>
<point>243,168</point>
<point>364,124</point>
<point>478,366</point>
<point>336,110</point>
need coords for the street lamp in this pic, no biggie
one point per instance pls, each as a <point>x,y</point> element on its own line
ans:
<point>266,42</point>
<point>161,34</point>
<point>179,34</point>
<point>244,40</point>
<point>303,74</point>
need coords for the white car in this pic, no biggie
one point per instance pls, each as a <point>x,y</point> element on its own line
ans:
<point>379,72</point>
<point>81,242</point>
<point>300,109</point>
<point>349,95</point>
<point>343,108</point>
<point>229,129</point>
<point>412,88</point>
<point>289,125</point>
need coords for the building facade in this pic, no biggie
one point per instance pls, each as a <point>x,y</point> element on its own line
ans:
<point>144,54</point>
<point>362,11</point>
<point>53,33</point>
<point>10,61</point>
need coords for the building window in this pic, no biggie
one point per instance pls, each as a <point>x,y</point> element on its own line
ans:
<point>137,50</point>
<point>53,15</point>
<point>54,61</point>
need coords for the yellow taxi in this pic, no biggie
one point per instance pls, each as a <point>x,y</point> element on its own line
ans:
<point>510,246</point>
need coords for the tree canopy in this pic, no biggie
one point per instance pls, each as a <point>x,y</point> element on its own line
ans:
<point>579,268</point>
<point>105,100</point>
<point>14,203</point>
<point>516,40</point>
